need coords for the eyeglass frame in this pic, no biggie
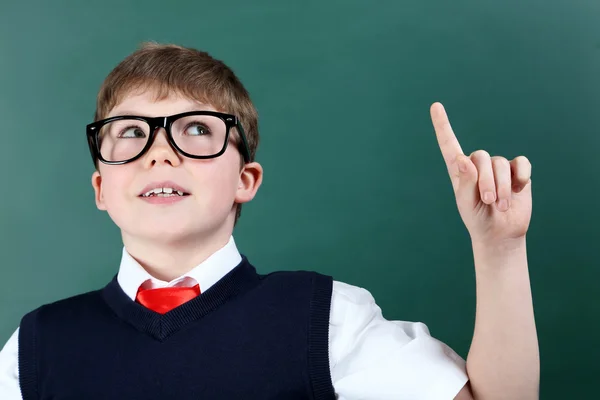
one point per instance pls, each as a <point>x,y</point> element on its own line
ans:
<point>231,121</point>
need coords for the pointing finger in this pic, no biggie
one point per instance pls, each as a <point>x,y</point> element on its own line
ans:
<point>449,145</point>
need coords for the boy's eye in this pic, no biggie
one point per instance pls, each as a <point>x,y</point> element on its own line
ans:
<point>196,129</point>
<point>132,132</point>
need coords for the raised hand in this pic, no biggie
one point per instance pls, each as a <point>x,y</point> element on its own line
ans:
<point>493,194</point>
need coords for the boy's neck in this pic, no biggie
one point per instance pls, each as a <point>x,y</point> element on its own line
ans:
<point>169,261</point>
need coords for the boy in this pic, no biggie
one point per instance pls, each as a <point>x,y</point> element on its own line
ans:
<point>187,317</point>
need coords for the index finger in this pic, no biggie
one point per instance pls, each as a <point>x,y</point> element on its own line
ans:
<point>445,135</point>
<point>447,140</point>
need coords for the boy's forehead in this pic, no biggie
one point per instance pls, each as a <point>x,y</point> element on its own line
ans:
<point>147,104</point>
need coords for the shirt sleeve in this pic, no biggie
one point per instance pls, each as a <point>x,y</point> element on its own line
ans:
<point>9,369</point>
<point>373,358</point>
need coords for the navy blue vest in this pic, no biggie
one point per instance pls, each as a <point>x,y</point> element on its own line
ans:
<point>249,336</point>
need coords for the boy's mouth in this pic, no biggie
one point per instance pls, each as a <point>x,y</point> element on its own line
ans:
<point>164,192</point>
<point>163,189</point>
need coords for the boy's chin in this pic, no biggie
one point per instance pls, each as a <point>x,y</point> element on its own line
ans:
<point>170,234</point>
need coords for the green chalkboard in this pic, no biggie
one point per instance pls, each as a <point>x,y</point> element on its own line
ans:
<point>354,183</point>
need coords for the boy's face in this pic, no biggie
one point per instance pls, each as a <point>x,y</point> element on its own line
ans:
<point>213,186</point>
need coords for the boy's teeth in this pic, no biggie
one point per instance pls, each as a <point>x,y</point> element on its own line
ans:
<point>163,192</point>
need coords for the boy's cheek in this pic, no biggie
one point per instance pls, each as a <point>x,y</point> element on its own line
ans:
<point>110,191</point>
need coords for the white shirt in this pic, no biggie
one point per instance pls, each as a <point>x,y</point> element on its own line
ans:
<point>369,357</point>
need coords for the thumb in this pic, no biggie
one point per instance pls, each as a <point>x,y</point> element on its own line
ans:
<point>467,192</point>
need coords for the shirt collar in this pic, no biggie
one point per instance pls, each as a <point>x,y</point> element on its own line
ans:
<point>132,275</point>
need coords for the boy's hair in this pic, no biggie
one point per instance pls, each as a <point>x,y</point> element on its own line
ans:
<point>189,72</point>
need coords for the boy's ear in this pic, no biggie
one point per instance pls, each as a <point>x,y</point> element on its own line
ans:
<point>250,180</point>
<point>98,195</point>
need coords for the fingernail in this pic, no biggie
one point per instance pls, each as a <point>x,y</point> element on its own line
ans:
<point>503,205</point>
<point>488,197</point>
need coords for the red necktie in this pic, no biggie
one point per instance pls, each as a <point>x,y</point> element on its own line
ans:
<point>163,300</point>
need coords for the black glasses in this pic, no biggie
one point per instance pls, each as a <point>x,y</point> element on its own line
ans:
<point>195,134</point>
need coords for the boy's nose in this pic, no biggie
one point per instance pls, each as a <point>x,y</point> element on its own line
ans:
<point>161,151</point>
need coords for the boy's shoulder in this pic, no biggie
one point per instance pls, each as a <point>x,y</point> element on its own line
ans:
<point>292,277</point>
<point>68,308</point>
<point>294,274</point>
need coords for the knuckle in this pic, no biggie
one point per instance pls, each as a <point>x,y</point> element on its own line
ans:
<point>480,154</point>
<point>523,159</point>
<point>498,161</point>
<point>522,166</point>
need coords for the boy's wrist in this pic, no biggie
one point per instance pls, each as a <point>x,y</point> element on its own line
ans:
<point>502,255</point>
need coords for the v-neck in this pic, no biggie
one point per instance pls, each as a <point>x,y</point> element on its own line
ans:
<point>161,326</point>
